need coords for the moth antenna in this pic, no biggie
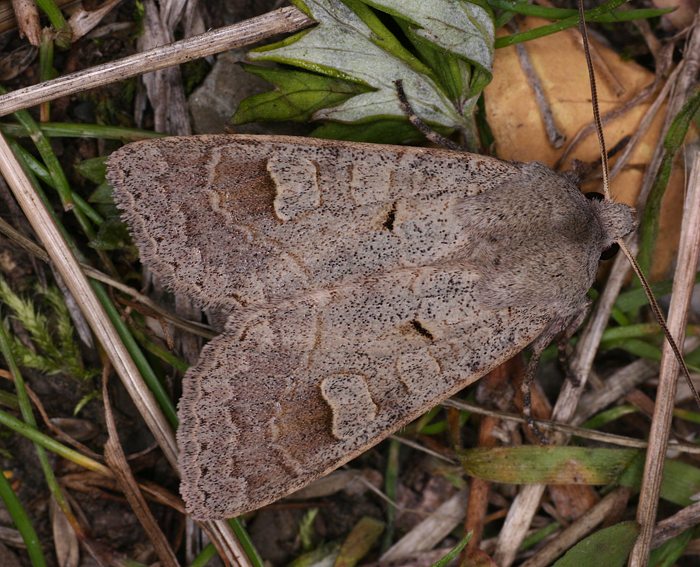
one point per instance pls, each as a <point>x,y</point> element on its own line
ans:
<point>594,100</point>
<point>421,126</point>
<point>656,310</point>
<point>660,318</point>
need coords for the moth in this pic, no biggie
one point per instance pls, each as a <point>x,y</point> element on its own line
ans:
<point>362,284</point>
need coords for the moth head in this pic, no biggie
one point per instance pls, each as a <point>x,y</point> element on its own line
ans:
<point>616,219</point>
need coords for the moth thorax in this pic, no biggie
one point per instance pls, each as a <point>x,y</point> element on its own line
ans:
<point>616,219</point>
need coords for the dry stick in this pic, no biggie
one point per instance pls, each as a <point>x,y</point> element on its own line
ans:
<point>683,282</point>
<point>554,135</point>
<point>116,459</point>
<point>682,85</point>
<point>687,262</point>
<point>663,63</point>
<point>616,386</point>
<point>675,525</point>
<point>659,316</point>
<point>27,16</point>
<point>284,20</point>
<point>431,531</point>
<point>608,117</point>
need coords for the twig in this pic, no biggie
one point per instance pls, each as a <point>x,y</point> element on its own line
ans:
<point>645,122</point>
<point>116,460</point>
<point>639,98</point>
<point>614,388</point>
<point>682,86</point>
<point>675,525</point>
<point>555,136</point>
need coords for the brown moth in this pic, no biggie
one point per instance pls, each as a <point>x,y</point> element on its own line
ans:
<point>363,284</point>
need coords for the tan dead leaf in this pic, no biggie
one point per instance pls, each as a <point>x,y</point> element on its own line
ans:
<point>65,541</point>
<point>27,15</point>
<point>83,21</point>
<point>16,61</point>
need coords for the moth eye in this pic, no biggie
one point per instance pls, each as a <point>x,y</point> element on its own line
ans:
<point>594,196</point>
<point>610,251</point>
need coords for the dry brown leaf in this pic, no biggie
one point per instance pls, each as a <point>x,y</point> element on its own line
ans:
<point>83,21</point>
<point>65,541</point>
<point>27,15</point>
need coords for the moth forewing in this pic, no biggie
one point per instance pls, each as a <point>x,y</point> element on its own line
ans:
<point>362,284</point>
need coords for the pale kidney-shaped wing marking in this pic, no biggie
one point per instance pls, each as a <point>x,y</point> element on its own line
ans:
<point>235,220</point>
<point>297,390</point>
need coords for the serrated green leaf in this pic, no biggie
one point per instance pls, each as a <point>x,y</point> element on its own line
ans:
<point>344,46</point>
<point>298,95</point>
<point>464,29</point>
<point>612,545</point>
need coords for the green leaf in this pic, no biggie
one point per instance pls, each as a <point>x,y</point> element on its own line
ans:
<point>675,137</point>
<point>306,528</point>
<point>607,416</point>
<point>670,552</point>
<point>112,235</point>
<point>547,465</point>
<point>613,544</point>
<point>681,481</point>
<point>454,44</point>
<point>464,29</point>
<point>454,552</point>
<point>298,95</point>
<point>549,13</point>
<point>93,169</point>
<point>578,465</point>
<point>359,542</point>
